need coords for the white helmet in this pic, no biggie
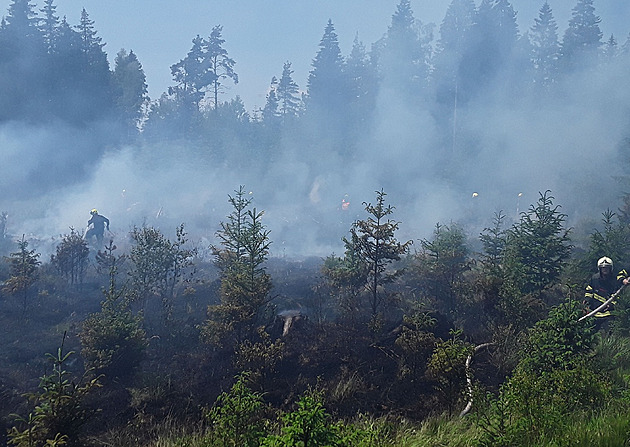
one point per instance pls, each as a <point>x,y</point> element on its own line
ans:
<point>604,262</point>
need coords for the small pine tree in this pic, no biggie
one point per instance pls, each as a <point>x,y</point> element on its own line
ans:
<point>24,265</point>
<point>447,368</point>
<point>71,258</point>
<point>308,425</point>
<point>374,245</point>
<point>245,284</point>
<point>442,264</point>
<point>59,410</point>
<point>538,247</point>
<point>158,264</point>
<point>236,417</point>
<point>113,340</point>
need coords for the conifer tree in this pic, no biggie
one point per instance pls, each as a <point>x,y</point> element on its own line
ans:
<point>245,283</point>
<point>404,53</point>
<point>326,101</point>
<point>221,66</point>
<point>287,92</point>
<point>112,340</point>
<point>613,241</point>
<point>22,22</point>
<point>546,48</point>
<point>91,44</point>
<point>538,246</point>
<point>71,257</point>
<point>24,265</point>
<point>94,80</point>
<point>442,264</point>
<point>493,38</point>
<point>326,84</point>
<point>582,39</point>
<point>451,48</point>
<point>130,90</point>
<point>362,81</point>
<point>610,50</point>
<point>21,48</point>
<point>61,407</point>
<point>373,242</point>
<point>49,24</point>
<point>193,77</point>
<point>270,113</point>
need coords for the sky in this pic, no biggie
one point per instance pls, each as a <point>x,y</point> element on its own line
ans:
<point>262,35</point>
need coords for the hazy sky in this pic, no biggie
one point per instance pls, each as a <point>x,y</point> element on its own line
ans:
<point>261,35</point>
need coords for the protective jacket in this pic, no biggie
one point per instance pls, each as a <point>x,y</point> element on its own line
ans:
<point>98,222</point>
<point>599,290</point>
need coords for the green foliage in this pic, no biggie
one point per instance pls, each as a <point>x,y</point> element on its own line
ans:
<point>417,343</point>
<point>236,419</point>
<point>130,90</point>
<point>611,358</point>
<point>309,425</point>
<point>441,264</point>
<point>371,249</point>
<point>245,284</point>
<point>259,357</point>
<point>158,264</point>
<point>494,241</point>
<point>555,378</point>
<point>558,342</point>
<point>612,241</point>
<point>490,274</point>
<point>537,247</point>
<point>447,367</point>
<point>113,340</point>
<point>347,277</point>
<point>23,265</point>
<point>59,410</point>
<point>539,404</point>
<point>71,258</point>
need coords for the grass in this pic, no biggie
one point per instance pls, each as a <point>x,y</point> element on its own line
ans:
<point>610,428</point>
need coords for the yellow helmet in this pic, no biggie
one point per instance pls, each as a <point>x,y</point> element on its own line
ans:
<point>604,262</point>
<point>93,211</point>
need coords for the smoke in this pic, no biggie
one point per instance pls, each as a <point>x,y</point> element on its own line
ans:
<point>511,149</point>
<point>568,145</point>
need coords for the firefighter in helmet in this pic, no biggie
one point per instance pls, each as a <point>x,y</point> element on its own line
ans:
<point>96,227</point>
<point>602,285</point>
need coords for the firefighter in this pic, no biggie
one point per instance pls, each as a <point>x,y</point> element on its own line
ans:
<point>98,224</point>
<point>602,285</point>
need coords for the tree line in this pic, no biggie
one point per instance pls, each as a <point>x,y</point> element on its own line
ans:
<point>54,71</point>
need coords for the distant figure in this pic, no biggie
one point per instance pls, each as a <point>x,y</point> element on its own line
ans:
<point>602,285</point>
<point>97,223</point>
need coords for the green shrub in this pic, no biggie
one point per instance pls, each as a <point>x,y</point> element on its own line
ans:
<point>59,411</point>
<point>236,419</point>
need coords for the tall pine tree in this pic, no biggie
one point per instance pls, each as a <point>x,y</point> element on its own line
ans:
<point>221,66</point>
<point>403,54</point>
<point>130,92</point>
<point>545,48</point>
<point>582,38</point>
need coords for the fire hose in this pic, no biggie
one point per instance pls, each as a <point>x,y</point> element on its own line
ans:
<point>604,305</point>
<point>469,384</point>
